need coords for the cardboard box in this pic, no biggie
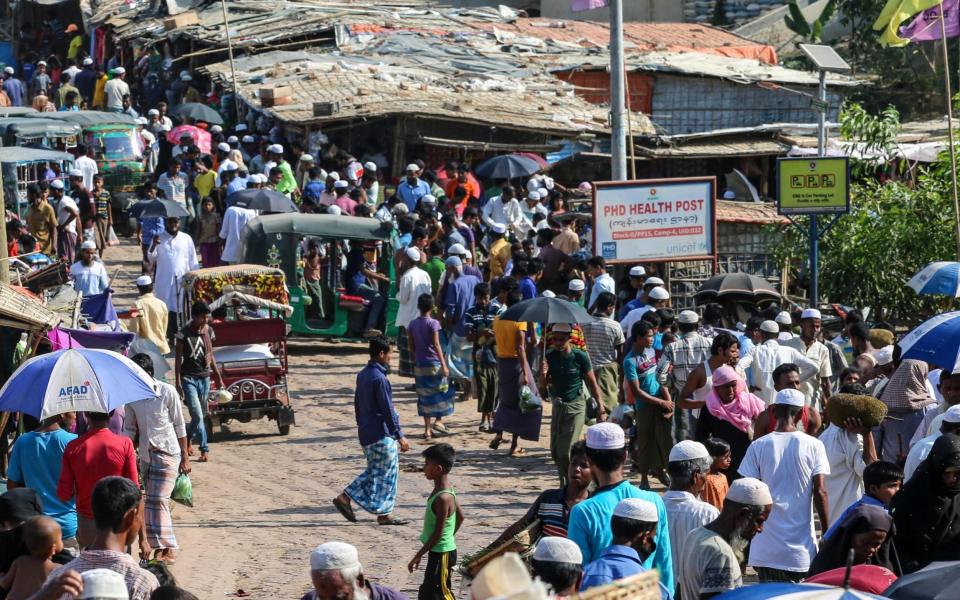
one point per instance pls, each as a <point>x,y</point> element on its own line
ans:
<point>325,109</point>
<point>271,102</point>
<point>276,92</point>
<point>181,20</point>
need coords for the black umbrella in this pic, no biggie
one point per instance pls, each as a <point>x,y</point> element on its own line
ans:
<point>546,310</point>
<point>737,284</point>
<point>261,199</point>
<point>198,112</point>
<point>933,582</point>
<point>507,166</point>
<point>158,208</point>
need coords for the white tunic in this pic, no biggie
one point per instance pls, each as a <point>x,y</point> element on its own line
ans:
<point>845,481</point>
<point>174,256</point>
<point>414,282</point>
<point>234,220</point>
<point>684,514</point>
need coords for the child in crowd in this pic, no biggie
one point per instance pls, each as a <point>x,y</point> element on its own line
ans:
<point>435,396</point>
<point>104,218</point>
<point>716,485</point>
<point>208,234</point>
<point>27,573</point>
<point>479,319</point>
<point>441,521</point>
<point>881,481</point>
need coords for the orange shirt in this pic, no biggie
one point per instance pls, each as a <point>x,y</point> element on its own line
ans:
<point>715,489</point>
<point>472,192</point>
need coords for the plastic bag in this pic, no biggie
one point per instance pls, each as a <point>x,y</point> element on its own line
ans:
<point>112,239</point>
<point>183,490</point>
<point>529,401</point>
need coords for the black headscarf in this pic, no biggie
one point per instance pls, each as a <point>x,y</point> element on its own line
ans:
<point>926,512</point>
<point>16,506</point>
<point>866,517</point>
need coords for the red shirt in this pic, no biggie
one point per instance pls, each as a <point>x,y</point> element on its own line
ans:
<point>88,459</point>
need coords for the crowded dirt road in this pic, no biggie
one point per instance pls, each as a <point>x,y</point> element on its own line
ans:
<point>264,501</point>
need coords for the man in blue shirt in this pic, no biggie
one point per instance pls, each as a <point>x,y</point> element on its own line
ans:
<point>13,87</point>
<point>634,525</point>
<point>35,463</point>
<point>411,189</point>
<point>378,426</point>
<point>589,523</point>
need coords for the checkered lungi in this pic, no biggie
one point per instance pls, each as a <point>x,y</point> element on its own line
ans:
<point>375,490</point>
<point>159,476</point>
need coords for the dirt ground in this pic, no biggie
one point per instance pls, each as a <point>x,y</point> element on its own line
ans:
<point>263,502</point>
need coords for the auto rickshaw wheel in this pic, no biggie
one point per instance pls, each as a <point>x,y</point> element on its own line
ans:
<point>284,429</point>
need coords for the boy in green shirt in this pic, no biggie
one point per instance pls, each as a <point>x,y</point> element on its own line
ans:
<point>441,521</point>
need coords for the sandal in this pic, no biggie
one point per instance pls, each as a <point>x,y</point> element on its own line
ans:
<point>440,427</point>
<point>495,443</point>
<point>345,511</point>
<point>517,452</point>
<point>393,522</point>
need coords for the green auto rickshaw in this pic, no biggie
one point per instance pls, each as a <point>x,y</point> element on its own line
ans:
<point>36,132</point>
<point>281,241</point>
<point>25,166</point>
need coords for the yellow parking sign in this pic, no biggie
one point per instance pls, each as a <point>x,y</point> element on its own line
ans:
<point>813,185</point>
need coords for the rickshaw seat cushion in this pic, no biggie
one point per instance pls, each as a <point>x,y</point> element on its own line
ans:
<point>348,302</point>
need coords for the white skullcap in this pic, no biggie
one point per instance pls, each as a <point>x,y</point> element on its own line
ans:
<point>428,199</point>
<point>141,120</point>
<point>103,583</point>
<point>400,209</point>
<point>247,139</point>
<point>453,261</point>
<point>637,271</point>
<point>561,328</point>
<point>884,356</point>
<point>558,550</point>
<point>8,70</point>
<point>275,149</point>
<point>749,492</point>
<point>88,245</point>
<point>605,436</point>
<point>233,139</point>
<point>687,317</point>
<point>216,129</point>
<point>688,450</point>
<point>637,509</point>
<point>729,195</point>
<point>147,137</point>
<point>952,414</point>
<point>57,184</point>
<point>499,228</point>
<point>784,318</point>
<point>548,294</point>
<point>576,285</point>
<point>75,173</point>
<point>119,70</point>
<point>223,147</point>
<point>43,63</point>
<point>229,165</point>
<point>240,127</point>
<point>770,326</point>
<point>790,397</point>
<point>533,184</point>
<point>144,280</point>
<point>153,113</point>
<point>86,62</point>
<point>333,209</point>
<point>653,281</point>
<point>370,166</point>
<point>186,77</point>
<point>534,195</point>
<point>334,556</point>
<point>810,313</point>
<point>413,167</point>
<point>306,157</point>
<point>467,254</point>
<point>659,293</point>
<point>413,254</point>
<point>334,176</point>
<point>341,184</point>
<point>457,250</point>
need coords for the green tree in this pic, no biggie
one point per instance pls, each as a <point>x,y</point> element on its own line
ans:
<point>810,31</point>
<point>874,134</point>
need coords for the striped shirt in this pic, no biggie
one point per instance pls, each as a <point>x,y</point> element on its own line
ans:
<point>551,509</point>
<point>603,337</point>
<point>683,355</point>
<point>140,582</point>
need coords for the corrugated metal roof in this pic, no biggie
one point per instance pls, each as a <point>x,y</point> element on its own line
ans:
<point>761,213</point>
<point>738,147</point>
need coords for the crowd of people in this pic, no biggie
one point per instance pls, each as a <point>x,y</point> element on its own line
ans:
<point>730,421</point>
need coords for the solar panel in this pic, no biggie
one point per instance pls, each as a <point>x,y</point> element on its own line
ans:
<point>825,58</point>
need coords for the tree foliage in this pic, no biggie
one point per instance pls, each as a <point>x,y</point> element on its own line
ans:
<point>810,31</point>
<point>875,134</point>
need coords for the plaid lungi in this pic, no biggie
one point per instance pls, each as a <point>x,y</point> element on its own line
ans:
<point>159,476</point>
<point>460,353</point>
<point>435,395</point>
<point>375,490</point>
<point>403,349</point>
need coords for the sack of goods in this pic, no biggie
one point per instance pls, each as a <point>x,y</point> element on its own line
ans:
<point>868,409</point>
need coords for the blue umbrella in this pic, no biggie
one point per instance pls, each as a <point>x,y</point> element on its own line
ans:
<point>507,166</point>
<point>936,340</point>
<point>74,380</point>
<point>938,279</point>
<point>795,591</point>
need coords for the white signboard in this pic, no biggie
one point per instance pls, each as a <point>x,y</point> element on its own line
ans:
<point>654,220</point>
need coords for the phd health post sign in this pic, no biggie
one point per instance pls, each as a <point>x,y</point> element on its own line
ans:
<point>655,219</point>
<point>813,186</point>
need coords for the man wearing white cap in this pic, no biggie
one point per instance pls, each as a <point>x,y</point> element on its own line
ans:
<point>336,572</point>
<point>657,298</point>
<point>600,280</point>
<point>634,523</point>
<point>589,524</point>
<point>531,207</point>
<point>499,250</point>
<point>605,342</point>
<point>765,357</point>
<point>504,209</point>
<point>371,184</point>
<point>794,465</point>
<point>288,183</point>
<point>808,344</point>
<point>558,563</point>
<point>116,89</point>
<point>41,83</point>
<point>785,323</point>
<point>88,274</point>
<point>302,170</point>
<point>919,452</point>
<point>149,319</point>
<point>13,87</point>
<point>86,165</point>
<point>712,555</point>
<point>174,255</point>
<point>412,188</point>
<point>850,448</point>
<point>414,281</point>
<point>636,274</point>
<point>235,219</point>
<point>68,215</point>
<point>688,466</point>
<point>575,290</point>
<point>679,360</point>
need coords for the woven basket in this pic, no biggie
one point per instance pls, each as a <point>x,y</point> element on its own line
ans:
<point>643,586</point>
<point>522,543</point>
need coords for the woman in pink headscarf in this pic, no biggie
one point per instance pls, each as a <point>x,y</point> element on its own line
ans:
<point>729,415</point>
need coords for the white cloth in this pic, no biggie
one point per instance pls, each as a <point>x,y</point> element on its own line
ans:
<point>231,232</point>
<point>819,354</point>
<point>65,208</point>
<point>89,280</point>
<point>115,90</point>
<point>496,211</point>
<point>708,565</point>
<point>174,188</point>
<point>414,282</point>
<point>174,257</point>
<point>603,283</point>
<point>787,463</point>
<point>88,167</point>
<point>684,514</point>
<point>626,324</point>
<point>764,358</point>
<point>845,481</point>
<point>918,454</point>
<point>158,420</point>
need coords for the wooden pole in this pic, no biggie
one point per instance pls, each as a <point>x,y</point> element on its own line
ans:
<point>953,148</point>
<point>233,70</point>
